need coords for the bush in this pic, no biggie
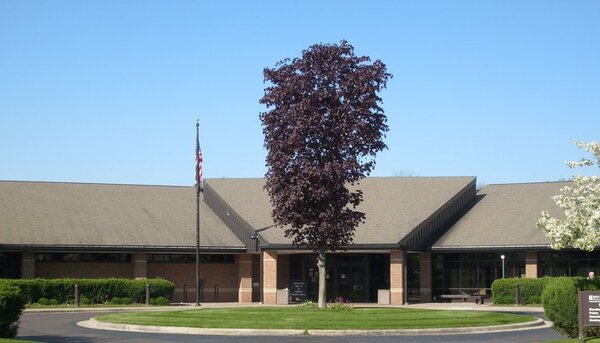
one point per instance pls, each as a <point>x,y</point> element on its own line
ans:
<point>560,303</point>
<point>96,290</point>
<point>308,305</point>
<point>340,304</point>
<point>160,301</point>
<point>115,301</point>
<point>503,290</point>
<point>12,303</point>
<point>43,301</point>
<point>83,300</point>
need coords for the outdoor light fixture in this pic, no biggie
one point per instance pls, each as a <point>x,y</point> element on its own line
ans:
<point>502,257</point>
<point>253,236</point>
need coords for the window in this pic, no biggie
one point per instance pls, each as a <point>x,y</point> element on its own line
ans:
<point>83,257</point>
<point>188,258</point>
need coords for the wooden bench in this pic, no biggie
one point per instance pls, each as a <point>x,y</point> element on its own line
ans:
<point>479,298</point>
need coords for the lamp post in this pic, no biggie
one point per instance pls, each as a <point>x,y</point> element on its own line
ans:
<point>502,257</point>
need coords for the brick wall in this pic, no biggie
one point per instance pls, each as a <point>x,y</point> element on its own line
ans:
<point>225,275</point>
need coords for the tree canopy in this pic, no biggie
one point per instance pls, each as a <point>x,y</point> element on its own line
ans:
<point>323,128</point>
<point>580,227</point>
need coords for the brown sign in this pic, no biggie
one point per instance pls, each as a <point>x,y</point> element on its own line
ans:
<point>588,310</point>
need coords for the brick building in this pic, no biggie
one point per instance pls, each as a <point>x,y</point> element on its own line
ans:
<point>423,237</point>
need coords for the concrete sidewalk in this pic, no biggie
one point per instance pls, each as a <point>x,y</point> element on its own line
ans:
<point>92,323</point>
<point>192,306</point>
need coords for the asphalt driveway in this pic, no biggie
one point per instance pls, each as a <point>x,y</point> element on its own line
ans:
<point>61,327</point>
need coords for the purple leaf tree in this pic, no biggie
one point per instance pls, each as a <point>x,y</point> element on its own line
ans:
<point>323,127</point>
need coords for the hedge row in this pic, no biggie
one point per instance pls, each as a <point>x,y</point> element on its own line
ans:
<point>12,303</point>
<point>560,303</point>
<point>96,290</point>
<point>503,290</point>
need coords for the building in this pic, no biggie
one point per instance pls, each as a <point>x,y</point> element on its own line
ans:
<point>423,237</point>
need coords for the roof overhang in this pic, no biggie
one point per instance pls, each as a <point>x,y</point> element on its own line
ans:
<point>119,248</point>
<point>456,248</point>
<point>353,247</point>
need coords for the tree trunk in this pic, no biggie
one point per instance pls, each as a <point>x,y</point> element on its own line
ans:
<point>322,279</point>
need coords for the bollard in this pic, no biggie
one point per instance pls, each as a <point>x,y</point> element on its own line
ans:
<point>185,293</point>
<point>517,294</point>
<point>147,295</point>
<point>76,295</point>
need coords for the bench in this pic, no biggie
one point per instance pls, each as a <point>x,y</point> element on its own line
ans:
<point>479,298</point>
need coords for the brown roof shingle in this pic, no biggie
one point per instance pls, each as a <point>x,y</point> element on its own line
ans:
<point>505,216</point>
<point>393,205</point>
<point>78,214</point>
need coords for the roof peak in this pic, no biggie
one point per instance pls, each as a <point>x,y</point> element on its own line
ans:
<point>525,183</point>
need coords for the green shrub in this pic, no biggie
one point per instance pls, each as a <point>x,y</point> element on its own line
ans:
<point>308,305</point>
<point>83,300</point>
<point>503,290</point>
<point>115,301</point>
<point>560,303</point>
<point>96,290</point>
<point>160,301</point>
<point>126,301</point>
<point>339,304</point>
<point>12,303</point>
<point>43,301</point>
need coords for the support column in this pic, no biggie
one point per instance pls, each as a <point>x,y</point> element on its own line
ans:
<point>531,264</point>
<point>269,260</point>
<point>245,278</point>
<point>27,265</point>
<point>425,276</point>
<point>397,276</point>
<point>140,261</point>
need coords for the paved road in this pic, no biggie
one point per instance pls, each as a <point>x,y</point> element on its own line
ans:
<point>60,327</point>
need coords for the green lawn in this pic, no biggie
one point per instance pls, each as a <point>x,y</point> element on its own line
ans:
<point>575,340</point>
<point>61,306</point>
<point>296,318</point>
<point>8,340</point>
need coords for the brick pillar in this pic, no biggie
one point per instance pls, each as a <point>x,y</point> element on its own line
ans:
<point>27,265</point>
<point>245,278</point>
<point>397,267</point>
<point>425,276</point>
<point>269,260</point>
<point>531,264</point>
<point>140,261</point>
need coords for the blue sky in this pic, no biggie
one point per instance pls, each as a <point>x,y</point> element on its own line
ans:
<point>108,91</point>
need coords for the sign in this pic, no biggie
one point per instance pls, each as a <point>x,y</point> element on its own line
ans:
<point>588,310</point>
<point>298,290</point>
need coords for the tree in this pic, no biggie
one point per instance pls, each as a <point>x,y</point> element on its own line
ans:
<point>580,227</point>
<point>323,127</point>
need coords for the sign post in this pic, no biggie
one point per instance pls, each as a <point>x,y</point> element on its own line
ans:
<point>588,310</point>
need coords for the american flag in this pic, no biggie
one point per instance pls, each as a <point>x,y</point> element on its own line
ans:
<point>198,162</point>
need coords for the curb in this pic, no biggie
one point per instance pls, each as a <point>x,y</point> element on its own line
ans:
<point>92,323</point>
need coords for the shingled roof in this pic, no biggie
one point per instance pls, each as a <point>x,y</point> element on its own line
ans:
<point>394,206</point>
<point>504,216</point>
<point>106,216</point>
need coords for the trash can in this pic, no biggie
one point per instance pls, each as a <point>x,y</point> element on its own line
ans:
<point>383,297</point>
<point>283,296</point>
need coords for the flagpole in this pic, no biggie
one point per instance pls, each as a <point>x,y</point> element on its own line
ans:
<point>197,213</point>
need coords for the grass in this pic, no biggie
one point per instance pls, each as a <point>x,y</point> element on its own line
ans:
<point>296,318</point>
<point>9,340</point>
<point>575,340</point>
<point>34,306</point>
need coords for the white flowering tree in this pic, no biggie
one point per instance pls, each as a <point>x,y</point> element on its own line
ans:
<point>580,227</point>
